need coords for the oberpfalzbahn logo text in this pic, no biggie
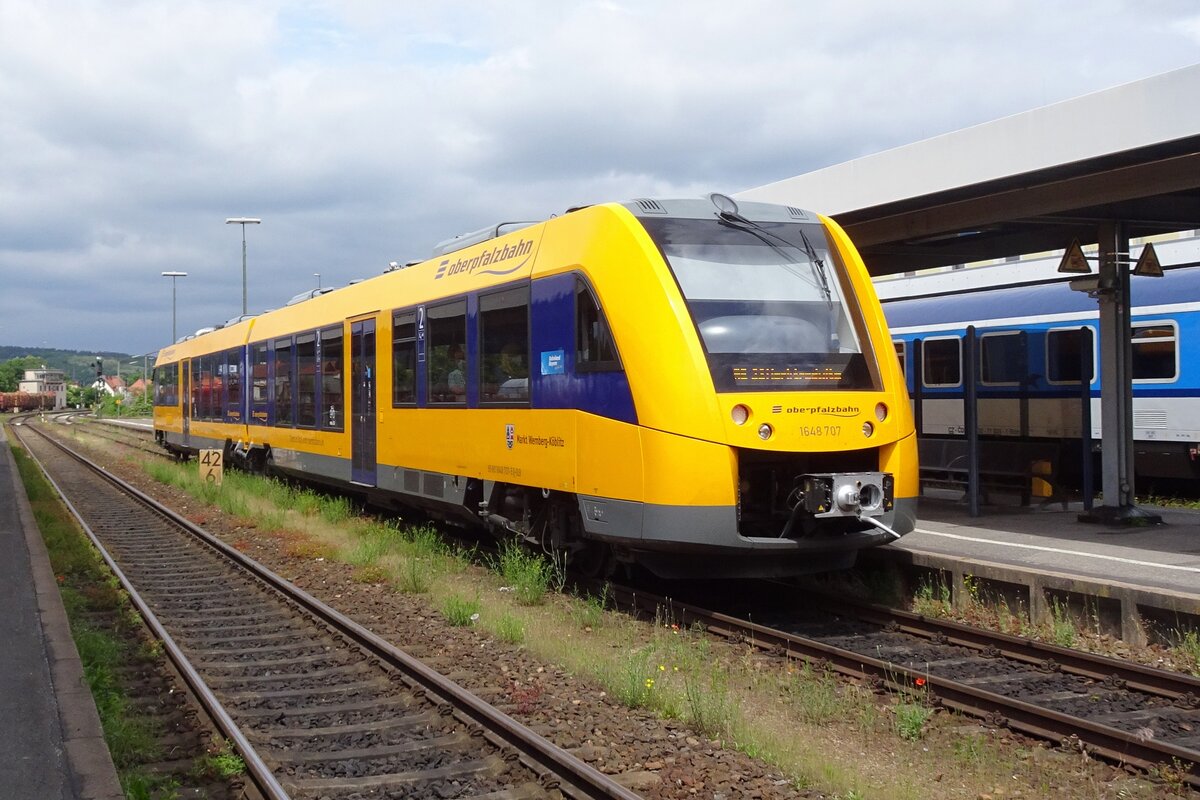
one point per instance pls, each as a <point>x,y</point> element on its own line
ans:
<point>494,258</point>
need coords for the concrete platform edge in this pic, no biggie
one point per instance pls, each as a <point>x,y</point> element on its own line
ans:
<point>1135,601</point>
<point>94,776</point>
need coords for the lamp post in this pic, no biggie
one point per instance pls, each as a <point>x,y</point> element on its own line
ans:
<point>317,275</point>
<point>243,221</point>
<point>173,275</point>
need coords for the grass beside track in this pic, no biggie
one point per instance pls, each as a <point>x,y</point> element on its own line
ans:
<point>817,729</point>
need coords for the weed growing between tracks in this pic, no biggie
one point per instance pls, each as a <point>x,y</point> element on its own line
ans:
<point>222,762</point>
<point>1189,646</point>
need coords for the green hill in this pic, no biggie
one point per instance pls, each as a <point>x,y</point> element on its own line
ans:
<point>79,366</point>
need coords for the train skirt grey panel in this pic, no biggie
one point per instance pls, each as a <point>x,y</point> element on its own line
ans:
<point>194,442</point>
<point>302,464</point>
<point>415,483</point>
<point>676,541</point>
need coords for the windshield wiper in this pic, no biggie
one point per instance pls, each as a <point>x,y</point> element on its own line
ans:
<point>735,220</point>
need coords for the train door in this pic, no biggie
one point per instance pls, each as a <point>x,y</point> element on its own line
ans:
<point>362,425</point>
<point>185,369</point>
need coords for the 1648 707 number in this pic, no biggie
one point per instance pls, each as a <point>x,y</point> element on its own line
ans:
<point>820,430</point>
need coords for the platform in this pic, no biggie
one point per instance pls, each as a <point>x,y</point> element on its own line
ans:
<point>1133,580</point>
<point>52,745</point>
<point>138,423</point>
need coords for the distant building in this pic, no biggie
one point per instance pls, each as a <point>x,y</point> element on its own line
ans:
<point>111,385</point>
<point>46,381</point>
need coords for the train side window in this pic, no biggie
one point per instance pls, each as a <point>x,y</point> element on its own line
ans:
<point>216,398</point>
<point>504,346</point>
<point>595,350</point>
<point>233,384</point>
<point>197,381</point>
<point>202,386</point>
<point>283,382</point>
<point>404,358</point>
<point>332,378</point>
<point>208,387</point>
<point>259,390</point>
<point>157,376</point>
<point>1001,359</point>
<point>306,380</point>
<point>1155,356</point>
<point>166,385</point>
<point>942,362</point>
<point>1063,351</point>
<point>447,357</point>
<point>901,354</point>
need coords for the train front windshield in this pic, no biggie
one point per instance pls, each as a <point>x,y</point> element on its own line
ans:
<point>771,303</point>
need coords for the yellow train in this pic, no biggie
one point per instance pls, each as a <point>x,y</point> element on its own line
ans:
<point>704,387</point>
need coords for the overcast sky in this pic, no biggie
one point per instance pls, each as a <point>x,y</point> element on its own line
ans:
<point>365,132</point>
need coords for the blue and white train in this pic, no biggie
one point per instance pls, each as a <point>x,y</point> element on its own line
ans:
<point>1029,368</point>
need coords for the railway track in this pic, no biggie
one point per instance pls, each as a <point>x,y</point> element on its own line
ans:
<point>1125,712</point>
<point>129,437</point>
<point>316,705</point>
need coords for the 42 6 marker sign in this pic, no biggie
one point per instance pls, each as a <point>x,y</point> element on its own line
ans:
<point>212,466</point>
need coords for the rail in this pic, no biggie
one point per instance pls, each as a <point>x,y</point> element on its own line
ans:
<point>1182,692</point>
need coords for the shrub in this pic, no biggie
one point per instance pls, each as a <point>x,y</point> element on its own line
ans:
<point>911,719</point>
<point>510,629</point>
<point>460,611</point>
<point>528,575</point>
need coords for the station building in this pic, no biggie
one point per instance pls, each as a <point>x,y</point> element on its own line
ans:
<point>46,381</point>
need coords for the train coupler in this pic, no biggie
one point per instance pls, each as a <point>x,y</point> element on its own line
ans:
<point>847,494</point>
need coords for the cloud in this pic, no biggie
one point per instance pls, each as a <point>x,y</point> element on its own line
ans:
<point>365,132</point>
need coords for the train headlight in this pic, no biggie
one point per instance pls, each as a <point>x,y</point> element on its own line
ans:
<point>868,429</point>
<point>870,497</point>
<point>740,414</point>
<point>765,431</point>
<point>881,410</point>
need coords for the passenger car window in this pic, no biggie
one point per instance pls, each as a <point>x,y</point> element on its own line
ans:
<point>198,380</point>
<point>404,358</point>
<point>504,346</point>
<point>942,362</point>
<point>447,356</point>
<point>1154,351</point>
<point>306,380</point>
<point>332,379</point>
<point>283,382</point>
<point>259,391</point>
<point>1063,351</point>
<point>1002,359</point>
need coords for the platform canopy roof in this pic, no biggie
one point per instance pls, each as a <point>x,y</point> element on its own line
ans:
<point>1022,184</point>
